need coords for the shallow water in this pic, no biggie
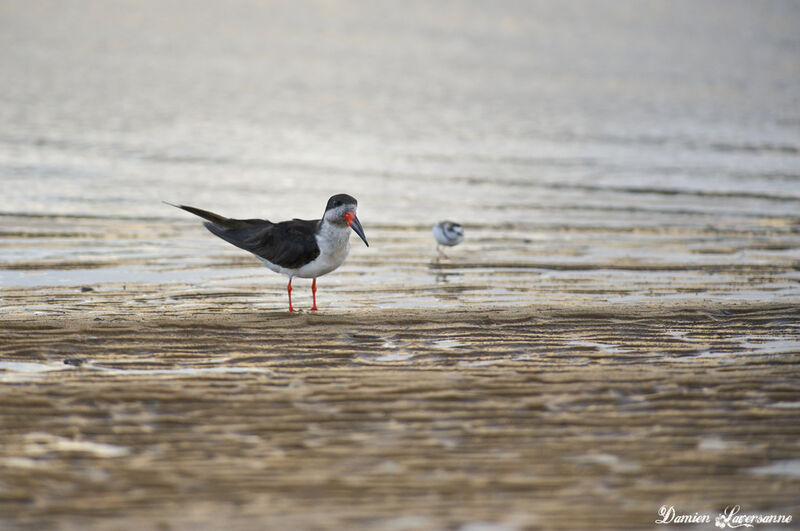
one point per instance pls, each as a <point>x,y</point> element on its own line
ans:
<point>618,331</point>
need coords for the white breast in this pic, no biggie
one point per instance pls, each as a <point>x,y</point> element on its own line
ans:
<point>334,245</point>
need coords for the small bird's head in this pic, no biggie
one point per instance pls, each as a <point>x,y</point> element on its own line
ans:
<point>341,209</point>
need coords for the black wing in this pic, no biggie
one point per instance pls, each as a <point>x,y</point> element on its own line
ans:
<point>289,244</point>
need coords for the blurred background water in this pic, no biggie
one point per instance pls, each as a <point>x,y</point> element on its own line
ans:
<point>529,122</point>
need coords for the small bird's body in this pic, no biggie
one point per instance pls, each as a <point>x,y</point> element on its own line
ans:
<point>448,233</point>
<point>296,248</point>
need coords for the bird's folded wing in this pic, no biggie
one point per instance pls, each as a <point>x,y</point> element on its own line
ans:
<point>290,244</point>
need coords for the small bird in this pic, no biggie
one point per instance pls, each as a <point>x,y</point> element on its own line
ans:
<point>296,248</point>
<point>447,233</point>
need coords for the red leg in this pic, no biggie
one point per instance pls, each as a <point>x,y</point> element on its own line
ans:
<point>314,294</point>
<point>289,289</point>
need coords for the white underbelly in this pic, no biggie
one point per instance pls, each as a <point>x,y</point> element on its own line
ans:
<point>333,252</point>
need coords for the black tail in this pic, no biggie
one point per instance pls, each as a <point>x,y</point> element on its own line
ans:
<point>210,216</point>
<point>244,233</point>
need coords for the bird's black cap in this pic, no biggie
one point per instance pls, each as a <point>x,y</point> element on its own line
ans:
<point>339,200</point>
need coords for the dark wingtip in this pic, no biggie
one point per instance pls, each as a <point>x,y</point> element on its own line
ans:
<point>205,214</point>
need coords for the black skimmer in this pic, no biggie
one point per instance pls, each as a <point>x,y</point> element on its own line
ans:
<point>297,248</point>
<point>447,233</point>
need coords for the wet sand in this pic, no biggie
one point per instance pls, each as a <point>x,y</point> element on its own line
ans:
<point>225,416</point>
<point>540,376</point>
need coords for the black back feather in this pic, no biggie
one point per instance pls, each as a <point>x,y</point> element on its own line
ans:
<point>289,244</point>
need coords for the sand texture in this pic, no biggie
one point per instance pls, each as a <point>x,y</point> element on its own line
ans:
<point>586,417</point>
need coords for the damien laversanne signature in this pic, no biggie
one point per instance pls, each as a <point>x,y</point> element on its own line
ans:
<point>730,518</point>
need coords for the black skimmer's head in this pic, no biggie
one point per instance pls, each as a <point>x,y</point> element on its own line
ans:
<point>297,248</point>
<point>448,233</point>
<point>341,210</point>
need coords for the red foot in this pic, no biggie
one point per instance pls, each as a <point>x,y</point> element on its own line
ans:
<point>289,290</point>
